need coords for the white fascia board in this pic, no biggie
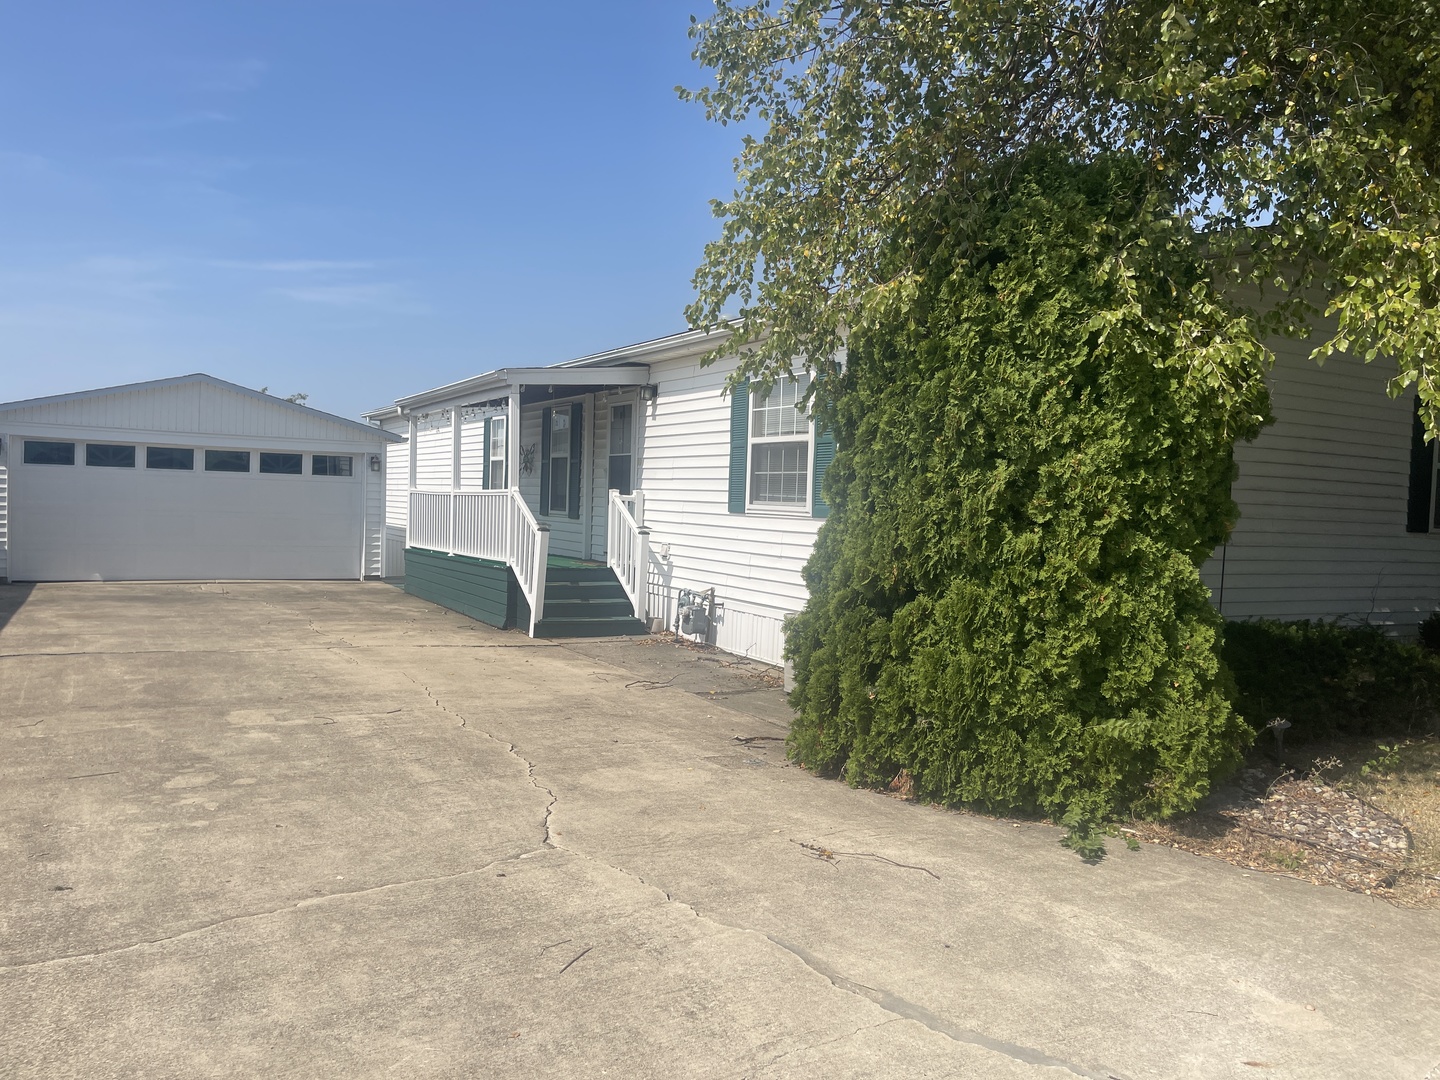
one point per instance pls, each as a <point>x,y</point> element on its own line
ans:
<point>509,380</point>
<point>668,347</point>
<point>354,443</point>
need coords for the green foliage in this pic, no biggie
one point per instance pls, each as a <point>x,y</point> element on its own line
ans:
<point>1328,679</point>
<point>1430,632</point>
<point>1314,118</point>
<point>1005,600</point>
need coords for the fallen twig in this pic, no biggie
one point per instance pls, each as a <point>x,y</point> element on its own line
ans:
<point>573,959</point>
<point>830,856</point>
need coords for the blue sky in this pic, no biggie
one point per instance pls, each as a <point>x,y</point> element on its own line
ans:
<point>357,200</point>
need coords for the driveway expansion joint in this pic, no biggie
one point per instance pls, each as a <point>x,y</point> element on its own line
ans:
<point>905,1010</point>
<point>298,905</point>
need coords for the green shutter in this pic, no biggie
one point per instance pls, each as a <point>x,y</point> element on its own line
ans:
<point>573,495</point>
<point>824,454</point>
<point>485,458</point>
<point>1422,476</point>
<point>545,461</point>
<point>739,432</point>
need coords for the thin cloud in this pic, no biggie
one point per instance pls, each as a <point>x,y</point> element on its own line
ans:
<point>294,266</point>
<point>374,296</point>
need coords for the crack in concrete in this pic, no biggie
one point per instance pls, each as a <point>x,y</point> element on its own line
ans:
<point>310,901</point>
<point>897,1006</point>
<point>514,751</point>
<point>906,1010</point>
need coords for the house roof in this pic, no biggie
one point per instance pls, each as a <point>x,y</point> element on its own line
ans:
<point>627,367</point>
<point>197,377</point>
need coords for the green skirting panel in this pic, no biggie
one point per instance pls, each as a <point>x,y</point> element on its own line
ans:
<point>483,590</point>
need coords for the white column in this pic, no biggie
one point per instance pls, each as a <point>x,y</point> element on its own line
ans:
<point>455,448</point>
<point>414,449</point>
<point>512,439</point>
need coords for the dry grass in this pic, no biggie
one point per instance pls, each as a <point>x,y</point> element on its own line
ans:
<point>1406,785</point>
<point>1394,779</point>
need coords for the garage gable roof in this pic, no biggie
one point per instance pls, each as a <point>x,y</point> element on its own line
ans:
<point>197,411</point>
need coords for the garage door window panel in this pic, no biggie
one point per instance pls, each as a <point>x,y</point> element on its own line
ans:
<point>170,457</point>
<point>106,456</point>
<point>44,452</point>
<point>231,461</point>
<point>282,464</point>
<point>332,465</point>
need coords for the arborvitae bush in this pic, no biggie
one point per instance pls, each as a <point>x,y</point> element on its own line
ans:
<point>1035,457</point>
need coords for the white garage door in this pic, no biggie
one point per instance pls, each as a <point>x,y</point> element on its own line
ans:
<point>86,523</point>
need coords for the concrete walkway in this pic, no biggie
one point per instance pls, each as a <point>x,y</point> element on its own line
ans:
<point>328,830</point>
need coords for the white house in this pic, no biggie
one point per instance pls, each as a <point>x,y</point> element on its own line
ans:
<point>687,501</point>
<point>184,479</point>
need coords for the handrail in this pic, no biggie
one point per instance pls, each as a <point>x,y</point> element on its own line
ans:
<point>495,525</point>
<point>627,549</point>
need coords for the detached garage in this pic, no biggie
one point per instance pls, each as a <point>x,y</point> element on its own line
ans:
<point>187,479</point>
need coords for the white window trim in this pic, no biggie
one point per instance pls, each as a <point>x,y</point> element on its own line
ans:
<point>773,509</point>
<point>490,461</point>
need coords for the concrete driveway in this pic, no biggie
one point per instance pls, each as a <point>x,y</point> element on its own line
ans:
<point>320,830</point>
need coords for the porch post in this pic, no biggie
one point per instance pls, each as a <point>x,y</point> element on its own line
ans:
<point>409,500</point>
<point>639,497</point>
<point>455,433</point>
<point>642,569</point>
<point>542,562</point>
<point>512,437</point>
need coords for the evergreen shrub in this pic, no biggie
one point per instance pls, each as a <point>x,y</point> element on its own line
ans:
<point>1328,679</point>
<point>1035,457</point>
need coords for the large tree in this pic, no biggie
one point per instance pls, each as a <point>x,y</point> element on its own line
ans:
<point>1298,137</point>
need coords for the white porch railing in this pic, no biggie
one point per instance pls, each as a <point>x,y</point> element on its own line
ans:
<point>627,547</point>
<point>495,525</point>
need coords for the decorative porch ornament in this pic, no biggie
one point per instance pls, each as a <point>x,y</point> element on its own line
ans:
<point>527,460</point>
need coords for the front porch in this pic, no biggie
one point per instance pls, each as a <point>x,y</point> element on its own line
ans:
<point>581,599</point>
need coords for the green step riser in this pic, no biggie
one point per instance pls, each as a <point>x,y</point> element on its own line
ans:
<point>601,609</point>
<point>588,628</point>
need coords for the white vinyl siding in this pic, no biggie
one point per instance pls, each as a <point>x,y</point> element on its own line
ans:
<point>753,561</point>
<point>1322,495</point>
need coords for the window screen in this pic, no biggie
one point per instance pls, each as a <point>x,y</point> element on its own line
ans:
<point>105,456</point>
<point>288,464</point>
<point>560,459</point>
<point>169,457</point>
<point>332,465</point>
<point>227,461</point>
<point>49,453</point>
<point>622,449</point>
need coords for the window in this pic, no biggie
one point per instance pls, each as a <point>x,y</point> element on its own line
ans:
<point>103,456</point>
<point>332,465</point>
<point>286,464</point>
<point>780,446</point>
<point>622,449</point>
<point>227,461</point>
<point>560,460</point>
<point>495,454</point>
<point>49,453</point>
<point>169,457</point>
